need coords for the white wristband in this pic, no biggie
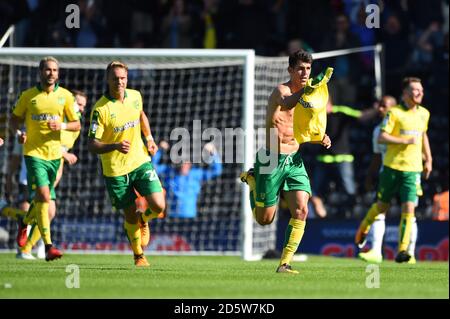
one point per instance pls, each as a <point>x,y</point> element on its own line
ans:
<point>63,126</point>
<point>149,138</point>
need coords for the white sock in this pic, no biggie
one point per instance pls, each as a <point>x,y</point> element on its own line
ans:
<point>413,238</point>
<point>378,229</point>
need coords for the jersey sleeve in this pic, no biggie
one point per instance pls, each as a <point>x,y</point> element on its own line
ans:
<point>69,110</point>
<point>141,106</point>
<point>21,106</point>
<point>97,125</point>
<point>427,119</point>
<point>388,122</point>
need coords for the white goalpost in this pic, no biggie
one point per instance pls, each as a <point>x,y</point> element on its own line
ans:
<point>221,88</point>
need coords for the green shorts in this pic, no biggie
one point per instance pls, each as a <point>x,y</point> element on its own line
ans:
<point>288,174</point>
<point>41,173</point>
<point>393,181</point>
<point>121,188</point>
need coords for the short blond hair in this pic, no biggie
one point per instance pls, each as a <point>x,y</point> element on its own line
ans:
<point>116,64</point>
<point>45,60</point>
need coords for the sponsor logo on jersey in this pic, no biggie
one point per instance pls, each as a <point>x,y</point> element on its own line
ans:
<point>44,117</point>
<point>305,104</point>
<point>126,126</point>
<point>410,132</point>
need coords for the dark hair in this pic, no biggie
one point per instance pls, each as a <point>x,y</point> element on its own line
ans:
<point>408,80</point>
<point>80,93</point>
<point>299,55</point>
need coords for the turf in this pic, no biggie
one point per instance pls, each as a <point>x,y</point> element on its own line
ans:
<point>114,276</point>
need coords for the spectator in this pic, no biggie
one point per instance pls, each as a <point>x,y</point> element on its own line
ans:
<point>338,159</point>
<point>394,36</point>
<point>428,41</point>
<point>183,183</point>
<point>366,36</point>
<point>118,21</point>
<point>312,25</point>
<point>247,26</point>
<point>177,27</point>
<point>440,201</point>
<point>294,45</point>
<point>91,30</point>
<point>438,81</point>
<point>205,25</point>
<point>343,86</point>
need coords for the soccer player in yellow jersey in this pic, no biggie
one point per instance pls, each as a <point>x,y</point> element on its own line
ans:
<point>289,174</point>
<point>117,121</point>
<point>68,139</point>
<point>404,130</point>
<point>43,109</point>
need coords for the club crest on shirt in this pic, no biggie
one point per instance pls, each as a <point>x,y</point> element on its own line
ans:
<point>61,100</point>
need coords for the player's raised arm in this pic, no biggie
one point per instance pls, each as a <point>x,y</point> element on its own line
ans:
<point>145,129</point>
<point>283,96</point>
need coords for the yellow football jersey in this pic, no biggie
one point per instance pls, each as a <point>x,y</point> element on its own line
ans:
<point>68,138</point>
<point>113,122</point>
<point>38,107</point>
<point>403,122</point>
<point>310,114</point>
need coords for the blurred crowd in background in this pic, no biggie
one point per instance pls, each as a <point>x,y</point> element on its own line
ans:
<point>414,34</point>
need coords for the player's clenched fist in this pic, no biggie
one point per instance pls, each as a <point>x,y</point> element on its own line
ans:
<point>152,147</point>
<point>21,137</point>
<point>54,125</point>
<point>326,141</point>
<point>123,147</point>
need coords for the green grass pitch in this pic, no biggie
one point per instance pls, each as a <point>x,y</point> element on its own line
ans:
<point>213,277</point>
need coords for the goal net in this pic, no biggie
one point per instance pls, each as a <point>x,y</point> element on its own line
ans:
<point>209,94</point>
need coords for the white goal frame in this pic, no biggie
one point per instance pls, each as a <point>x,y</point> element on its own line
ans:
<point>247,59</point>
